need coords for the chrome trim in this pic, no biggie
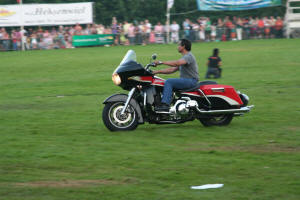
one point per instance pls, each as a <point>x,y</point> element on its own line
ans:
<point>229,111</point>
<point>209,103</point>
<point>238,114</point>
<point>158,85</point>
<point>163,112</point>
<point>218,89</point>
<point>195,95</point>
<point>145,98</point>
<point>130,94</point>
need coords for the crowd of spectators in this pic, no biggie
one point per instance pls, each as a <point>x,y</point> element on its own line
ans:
<point>233,29</point>
<point>143,32</point>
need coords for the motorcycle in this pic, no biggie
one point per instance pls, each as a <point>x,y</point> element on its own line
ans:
<point>210,103</point>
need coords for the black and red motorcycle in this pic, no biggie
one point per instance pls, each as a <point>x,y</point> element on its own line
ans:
<point>209,102</point>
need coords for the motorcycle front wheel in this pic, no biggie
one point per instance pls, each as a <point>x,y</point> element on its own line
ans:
<point>115,121</point>
<point>220,120</point>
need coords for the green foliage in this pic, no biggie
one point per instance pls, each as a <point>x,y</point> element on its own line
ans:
<point>155,10</point>
<point>53,143</point>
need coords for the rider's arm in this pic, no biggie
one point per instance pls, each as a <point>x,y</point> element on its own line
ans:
<point>169,70</point>
<point>174,66</point>
<point>173,63</point>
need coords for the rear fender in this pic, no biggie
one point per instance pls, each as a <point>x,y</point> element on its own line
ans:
<point>123,98</point>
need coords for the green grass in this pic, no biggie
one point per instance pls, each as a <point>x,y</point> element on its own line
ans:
<point>54,145</point>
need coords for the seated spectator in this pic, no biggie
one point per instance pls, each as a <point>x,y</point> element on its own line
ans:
<point>214,63</point>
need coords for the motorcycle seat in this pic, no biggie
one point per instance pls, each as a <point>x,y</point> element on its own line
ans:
<point>197,86</point>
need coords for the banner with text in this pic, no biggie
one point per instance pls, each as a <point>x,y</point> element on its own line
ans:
<point>46,14</point>
<point>92,40</point>
<point>224,5</point>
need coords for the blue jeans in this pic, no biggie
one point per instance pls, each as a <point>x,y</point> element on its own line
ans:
<point>176,83</point>
<point>213,71</point>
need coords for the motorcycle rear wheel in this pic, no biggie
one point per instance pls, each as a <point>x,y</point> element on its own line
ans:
<point>220,120</point>
<point>113,119</point>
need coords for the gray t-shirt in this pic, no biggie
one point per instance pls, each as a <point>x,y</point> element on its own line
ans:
<point>189,70</point>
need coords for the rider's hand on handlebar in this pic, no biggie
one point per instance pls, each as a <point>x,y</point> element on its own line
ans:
<point>157,62</point>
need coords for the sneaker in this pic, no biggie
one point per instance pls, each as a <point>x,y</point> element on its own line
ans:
<point>163,107</point>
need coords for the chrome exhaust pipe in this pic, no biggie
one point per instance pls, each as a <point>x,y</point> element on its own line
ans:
<point>229,111</point>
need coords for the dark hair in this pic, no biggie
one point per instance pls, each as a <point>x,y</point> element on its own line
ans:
<point>216,52</point>
<point>186,43</point>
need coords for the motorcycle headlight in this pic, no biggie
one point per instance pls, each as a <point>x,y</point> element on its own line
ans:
<point>116,79</point>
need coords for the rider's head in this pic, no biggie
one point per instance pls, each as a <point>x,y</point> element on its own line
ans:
<point>184,44</point>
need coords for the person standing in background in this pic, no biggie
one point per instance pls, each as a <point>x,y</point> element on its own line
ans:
<point>207,29</point>
<point>279,27</point>
<point>126,26</point>
<point>272,26</point>
<point>148,27</point>
<point>261,28</point>
<point>239,29</point>
<point>159,30</point>
<point>174,32</point>
<point>131,34</point>
<point>213,33</point>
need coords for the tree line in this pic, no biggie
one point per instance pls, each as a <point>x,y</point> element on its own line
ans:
<point>155,10</point>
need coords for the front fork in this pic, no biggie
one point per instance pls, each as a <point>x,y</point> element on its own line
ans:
<point>130,95</point>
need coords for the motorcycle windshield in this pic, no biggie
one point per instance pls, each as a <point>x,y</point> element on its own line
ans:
<point>129,56</point>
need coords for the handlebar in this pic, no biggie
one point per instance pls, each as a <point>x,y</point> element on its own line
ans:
<point>153,64</point>
<point>150,65</point>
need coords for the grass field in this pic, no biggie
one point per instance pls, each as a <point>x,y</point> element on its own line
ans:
<point>53,144</point>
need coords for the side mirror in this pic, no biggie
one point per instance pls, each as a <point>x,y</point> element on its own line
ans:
<point>154,56</point>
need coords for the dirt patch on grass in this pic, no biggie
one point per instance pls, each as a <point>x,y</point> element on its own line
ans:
<point>37,106</point>
<point>73,183</point>
<point>293,128</point>
<point>273,148</point>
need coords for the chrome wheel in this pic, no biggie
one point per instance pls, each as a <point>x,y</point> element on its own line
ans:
<point>115,121</point>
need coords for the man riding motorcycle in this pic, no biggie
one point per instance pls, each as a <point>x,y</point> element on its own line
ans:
<point>189,75</point>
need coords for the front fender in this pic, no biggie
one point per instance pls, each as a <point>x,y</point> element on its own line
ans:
<point>123,98</point>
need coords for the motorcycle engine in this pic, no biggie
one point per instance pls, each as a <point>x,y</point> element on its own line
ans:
<point>182,107</point>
